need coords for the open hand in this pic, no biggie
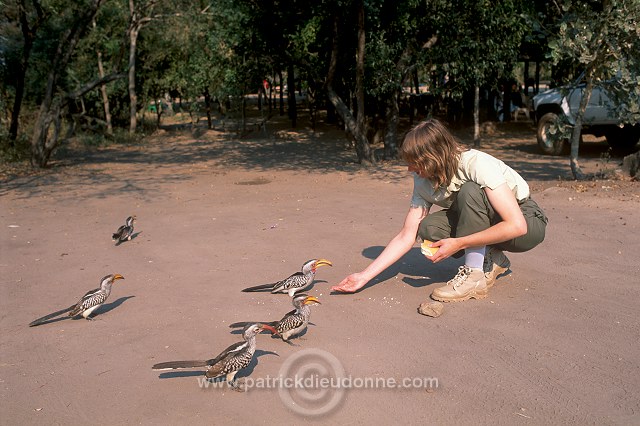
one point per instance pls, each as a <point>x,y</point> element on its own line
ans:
<point>351,284</point>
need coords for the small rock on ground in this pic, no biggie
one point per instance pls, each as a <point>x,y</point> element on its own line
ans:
<point>431,308</point>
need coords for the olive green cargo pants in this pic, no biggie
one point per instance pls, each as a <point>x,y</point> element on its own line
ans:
<point>472,212</point>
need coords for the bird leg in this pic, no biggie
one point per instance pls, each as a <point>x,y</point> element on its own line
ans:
<point>233,383</point>
<point>236,386</point>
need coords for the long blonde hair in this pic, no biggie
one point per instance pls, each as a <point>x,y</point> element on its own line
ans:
<point>432,149</point>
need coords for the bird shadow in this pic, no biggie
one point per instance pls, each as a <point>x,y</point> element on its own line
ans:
<point>101,310</point>
<point>176,374</point>
<point>133,237</point>
<point>313,285</point>
<point>110,306</point>
<point>245,372</point>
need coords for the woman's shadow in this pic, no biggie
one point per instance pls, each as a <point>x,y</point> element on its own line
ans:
<point>418,271</point>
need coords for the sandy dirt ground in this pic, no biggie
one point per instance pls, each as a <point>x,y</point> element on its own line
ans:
<point>556,341</point>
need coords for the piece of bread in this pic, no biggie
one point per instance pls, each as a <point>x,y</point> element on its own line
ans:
<point>426,250</point>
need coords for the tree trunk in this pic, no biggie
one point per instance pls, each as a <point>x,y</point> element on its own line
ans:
<point>577,129</point>
<point>363,150</point>
<point>207,104</point>
<point>105,97</point>
<point>291,95</point>
<point>476,116</point>
<point>29,34</point>
<point>393,101</point>
<point>133,98</point>
<point>391,133</point>
<point>41,145</point>
<point>135,26</point>
<point>361,116</point>
<point>281,94</point>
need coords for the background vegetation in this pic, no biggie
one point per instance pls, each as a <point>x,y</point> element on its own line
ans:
<point>98,66</point>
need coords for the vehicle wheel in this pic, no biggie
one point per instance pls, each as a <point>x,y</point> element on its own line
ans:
<point>549,142</point>
<point>623,141</point>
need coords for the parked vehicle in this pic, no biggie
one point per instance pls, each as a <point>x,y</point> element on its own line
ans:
<point>555,110</point>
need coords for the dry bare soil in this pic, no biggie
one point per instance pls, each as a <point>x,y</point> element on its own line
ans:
<point>556,342</point>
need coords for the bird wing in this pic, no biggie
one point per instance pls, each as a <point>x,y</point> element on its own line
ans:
<point>294,280</point>
<point>288,314</point>
<point>219,363</point>
<point>126,232</point>
<point>229,352</point>
<point>118,233</point>
<point>291,321</point>
<point>90,299</point>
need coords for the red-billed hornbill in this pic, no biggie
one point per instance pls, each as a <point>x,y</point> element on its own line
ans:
<point>294,283</point>
<point>229,362</point>
<point>91,301</point>
<point>294,322</point>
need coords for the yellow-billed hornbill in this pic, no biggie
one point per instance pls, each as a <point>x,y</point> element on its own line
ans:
<point>91,301</point>
<point>125,232</point>
<point>229,362</point>
<point>294,283</point>
<point>294,322</point>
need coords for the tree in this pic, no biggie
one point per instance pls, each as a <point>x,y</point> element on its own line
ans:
<point>42,143</point>
<point>139,16</point>
<point>604,38</point>
<point>479,44</point>
<point>363,149</point>
<point>30,22</point>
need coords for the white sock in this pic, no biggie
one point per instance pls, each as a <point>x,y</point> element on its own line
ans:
<point>474,257</point>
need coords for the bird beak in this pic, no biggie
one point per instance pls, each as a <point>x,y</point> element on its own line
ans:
<point>310,300</point>
<point>268,327</point>
<point>323,262</point>
<point>118,277</point>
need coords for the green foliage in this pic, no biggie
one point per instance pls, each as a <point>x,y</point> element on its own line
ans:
<point>481,41</point>
<point>225,48</point>
<point>13,151</point>
<point>604,39</point>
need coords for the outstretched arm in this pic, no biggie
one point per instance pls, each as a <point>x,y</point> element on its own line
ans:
<point>397,247</point>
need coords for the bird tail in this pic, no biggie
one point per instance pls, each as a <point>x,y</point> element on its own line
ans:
<point>176,365</point>
<point>261,287</point>
<point>51,315</point>
<point>246,323</point>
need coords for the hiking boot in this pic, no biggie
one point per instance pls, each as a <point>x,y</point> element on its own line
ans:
<point>468,283</point>
<point>495,264</point>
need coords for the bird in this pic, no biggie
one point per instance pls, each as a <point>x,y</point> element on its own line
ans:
<point>293,323</point>
<point>296,282</point>
<point>125,232</point>
<point>228,362</point>
<point>91,301</point>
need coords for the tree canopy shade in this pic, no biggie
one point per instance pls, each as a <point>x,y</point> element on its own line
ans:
<point>359,59</point>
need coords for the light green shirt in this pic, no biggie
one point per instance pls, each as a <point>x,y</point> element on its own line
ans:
<point>475,166</point>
